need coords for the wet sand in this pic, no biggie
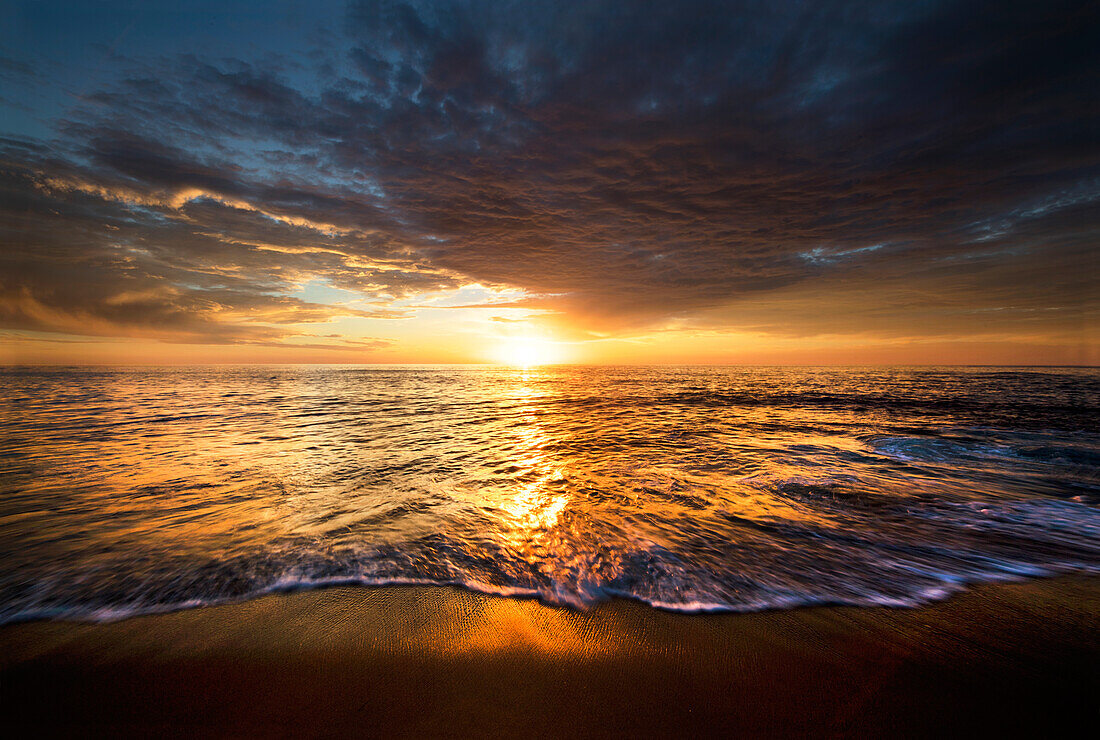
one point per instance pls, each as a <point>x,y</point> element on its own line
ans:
<point>416,662</point>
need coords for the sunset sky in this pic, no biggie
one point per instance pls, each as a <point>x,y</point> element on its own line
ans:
<point>649,182</point>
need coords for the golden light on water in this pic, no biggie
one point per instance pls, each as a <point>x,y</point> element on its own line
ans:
<point>528,351</point>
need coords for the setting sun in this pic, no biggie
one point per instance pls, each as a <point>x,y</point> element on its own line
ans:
<point>527,351</point>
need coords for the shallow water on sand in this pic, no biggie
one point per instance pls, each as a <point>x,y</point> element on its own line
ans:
<point>136,490</point>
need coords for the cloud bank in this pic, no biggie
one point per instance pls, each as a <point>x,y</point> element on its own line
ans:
<point>794,168</point>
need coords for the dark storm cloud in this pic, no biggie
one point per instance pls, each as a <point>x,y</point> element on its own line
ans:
<point>911,166</point>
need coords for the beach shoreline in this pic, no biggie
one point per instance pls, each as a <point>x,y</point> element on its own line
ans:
<point>436,661</point>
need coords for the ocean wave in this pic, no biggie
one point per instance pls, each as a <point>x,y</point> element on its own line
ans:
<point>747,565</point>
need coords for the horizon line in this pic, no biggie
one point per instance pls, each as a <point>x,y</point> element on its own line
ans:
<point>547,364</point>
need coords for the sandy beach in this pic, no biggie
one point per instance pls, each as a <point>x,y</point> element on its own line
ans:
<point>415,662</point>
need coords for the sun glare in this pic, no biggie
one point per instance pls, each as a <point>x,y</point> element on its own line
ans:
<point>527,351</point>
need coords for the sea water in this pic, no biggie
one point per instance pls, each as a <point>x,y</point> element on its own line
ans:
<point>136,490</point>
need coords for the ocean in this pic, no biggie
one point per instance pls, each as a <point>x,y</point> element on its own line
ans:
<point>136,490</point>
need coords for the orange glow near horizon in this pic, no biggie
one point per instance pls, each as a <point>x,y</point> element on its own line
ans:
<point>467,338</point>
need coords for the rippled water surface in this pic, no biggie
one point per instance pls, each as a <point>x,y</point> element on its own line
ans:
<point>134,490</point>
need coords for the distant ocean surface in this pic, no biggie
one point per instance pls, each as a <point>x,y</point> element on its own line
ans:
<point>128,491</point>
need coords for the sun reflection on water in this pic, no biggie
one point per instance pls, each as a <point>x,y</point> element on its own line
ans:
<point>534,500</point>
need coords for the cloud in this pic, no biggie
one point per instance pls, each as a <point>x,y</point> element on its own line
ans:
<point>14,69</point>
<point>781,167</point>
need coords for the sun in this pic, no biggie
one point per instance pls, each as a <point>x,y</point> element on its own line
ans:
<point>527,351</point>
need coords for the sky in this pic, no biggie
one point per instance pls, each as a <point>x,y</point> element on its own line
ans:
<point>910,182</point>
